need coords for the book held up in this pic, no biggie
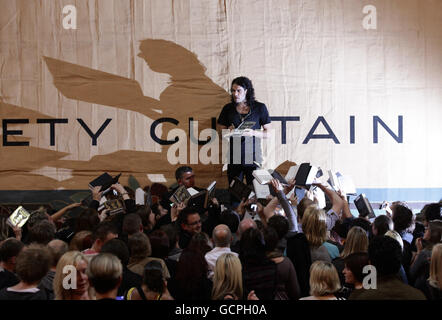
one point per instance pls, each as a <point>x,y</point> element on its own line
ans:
<point>19,217</point>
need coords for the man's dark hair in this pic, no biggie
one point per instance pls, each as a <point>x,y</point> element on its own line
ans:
<point>271,238</point>
<point>159,243</point>
<point>42,232</point>
<point>144,213</point>
<point>433,211</point>
<point>252,246</point>
<point>118,248</point>
<point>172,234</point>
<point>87,220</point>
<point>280,224</point>
<point>402,218</point>
<point>230,219</point>
<point>36,217</point>
<point>385,254</point>
<point>132,223</point>
<point>33,263</point>
<point>182,170</point>
<point>103,229</point>
<point>246,83</point>
<point>10,248</point>
<point>356,263</point>
<point>382,224</point>
<point>182,217</point>
<point>342,227</point>
<point>360,222</point>
<point>153,276</point>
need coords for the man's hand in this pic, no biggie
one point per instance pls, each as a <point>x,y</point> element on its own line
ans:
<point>18,232</point>
<point>294,199</point>
<point>96,193</point>
<point>175,211</point>
<point>120,189</point>
<point>241,209</point>
<point>276,185</point>
<point>252,296</point>
<point>336,200</point>
<point>215,201</point>
<point>292,183</point>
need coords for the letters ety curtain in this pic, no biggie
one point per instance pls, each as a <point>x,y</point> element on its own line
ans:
<point>92,86</point>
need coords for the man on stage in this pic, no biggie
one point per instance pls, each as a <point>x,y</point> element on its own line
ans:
<point>244,109</point>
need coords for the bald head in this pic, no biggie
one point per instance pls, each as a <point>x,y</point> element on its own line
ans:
<point>222,236</point>
<point>57,249</point>
<point>246,224</point>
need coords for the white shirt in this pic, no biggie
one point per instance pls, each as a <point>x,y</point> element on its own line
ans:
<point>213,255</point>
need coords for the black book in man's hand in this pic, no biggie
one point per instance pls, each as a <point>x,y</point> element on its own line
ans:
<point>105,181</point>
<point>364,206</point>
<point>197,200</point>
<point>239,189</point>
<point>306,174</point>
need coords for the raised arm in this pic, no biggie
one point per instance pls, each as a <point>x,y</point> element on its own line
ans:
<point>285,204</point>
<point>62,211</point>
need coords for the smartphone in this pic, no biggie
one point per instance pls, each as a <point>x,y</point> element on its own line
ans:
<point>383,206</point>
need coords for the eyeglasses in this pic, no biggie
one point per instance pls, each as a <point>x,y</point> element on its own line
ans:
<point>194,223</point>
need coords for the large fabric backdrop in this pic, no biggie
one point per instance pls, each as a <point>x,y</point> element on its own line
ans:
<point>92,86</point>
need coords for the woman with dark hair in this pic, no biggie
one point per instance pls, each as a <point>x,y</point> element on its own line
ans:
<point>190,281</point>
<point>244,108</point>
<point>259,272</point>
<point>353,272</point>
<point>420,267</point>
<point>154,285</point>
<point>200,243</point>
<point>287,281</point>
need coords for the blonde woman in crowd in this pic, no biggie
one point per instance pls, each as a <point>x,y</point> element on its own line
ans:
<point>434,283</point>
<point>105,273</point>
<point>324,281</point>
<point>357,241</point>
<point>315,229</point>
<point>227,279</point>
<point>79,261</point>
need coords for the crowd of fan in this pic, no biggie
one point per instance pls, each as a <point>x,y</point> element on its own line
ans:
<point>283,250</point>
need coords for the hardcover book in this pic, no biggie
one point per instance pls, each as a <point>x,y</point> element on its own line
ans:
<point>19,217</point>
<point>239,189</point>
<point>306,174</point>
<point>364,207</point>
<point>105,181</point>
<point>180,195</point>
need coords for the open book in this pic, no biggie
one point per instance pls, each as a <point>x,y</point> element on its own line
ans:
<point>201,199</point>
<point>19,217</point>
<point>364,206</point>
<point>192,197</point>
<point>264,176</point>
<point>341,183</point>
<point>181,194</point>
<point>262,191</point>
<point>241,128</point>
